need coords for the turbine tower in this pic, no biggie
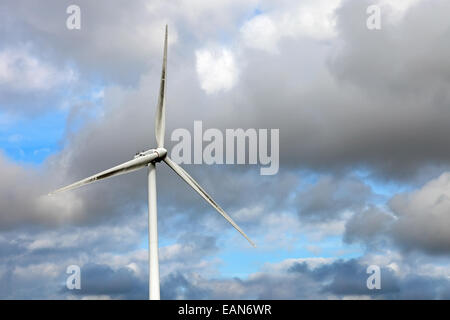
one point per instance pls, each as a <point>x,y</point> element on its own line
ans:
<point>149,159</point>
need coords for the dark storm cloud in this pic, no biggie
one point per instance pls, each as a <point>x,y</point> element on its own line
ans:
<point>33,262</point>
<point>262,286</point>
<point>336,280</point>
<point>354,111</point>
<point>402,119</point>
<point>100,280</point>
<point>348,112</point>
<point>346,278</point>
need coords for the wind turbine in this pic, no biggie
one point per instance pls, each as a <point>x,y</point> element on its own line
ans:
<point>149,158</point>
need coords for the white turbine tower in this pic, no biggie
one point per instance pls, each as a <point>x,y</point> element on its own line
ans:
<point>149,158</point>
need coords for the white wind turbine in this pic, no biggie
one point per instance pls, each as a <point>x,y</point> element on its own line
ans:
<point>149,158</point>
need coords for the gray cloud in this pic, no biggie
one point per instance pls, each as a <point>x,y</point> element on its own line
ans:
<point>346,278</point>
<point>114,43</point>
<point>100,280</point>
<point>338,118</point>
<point>176,286</point>
<point>422,217</point>
<point>415,221</point>
<point>339,103</point>
<point>330,196</point>
<point>336,280</point>
<point>368,226</point>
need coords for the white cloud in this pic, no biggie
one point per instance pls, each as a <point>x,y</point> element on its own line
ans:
<point>216,69</point>
<point>249,214</point>
<point>311,18</point>
<point>260,33</point>
<point>21,71</point>
<point>400,5</point>
<point>314,19</point>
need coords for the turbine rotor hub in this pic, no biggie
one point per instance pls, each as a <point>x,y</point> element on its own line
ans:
<point>162,153</point>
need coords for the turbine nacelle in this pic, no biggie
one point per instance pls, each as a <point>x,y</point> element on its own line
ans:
<point>160,152</point>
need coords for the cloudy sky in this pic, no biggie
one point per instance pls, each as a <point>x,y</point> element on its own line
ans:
<point>364,173</point>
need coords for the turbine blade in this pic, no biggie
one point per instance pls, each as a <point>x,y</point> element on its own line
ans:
<point>160,120</point>
<point>190,181</point>
<point>123,168</point>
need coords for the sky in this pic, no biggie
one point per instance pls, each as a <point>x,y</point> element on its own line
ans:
<point>364,176</point>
